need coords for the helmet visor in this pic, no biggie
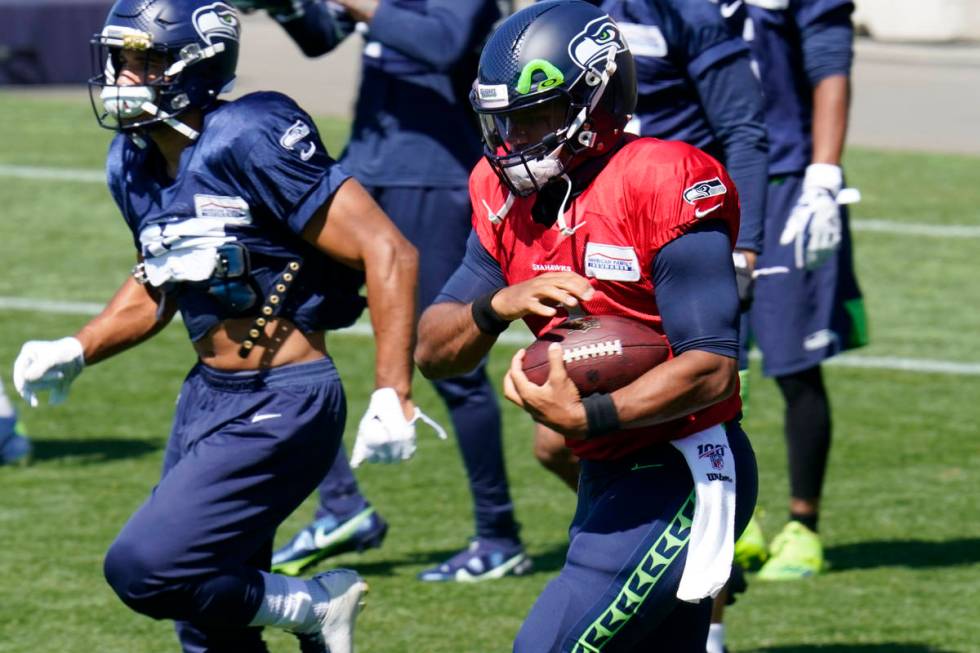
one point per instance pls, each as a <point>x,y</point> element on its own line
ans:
<point>528,128</point>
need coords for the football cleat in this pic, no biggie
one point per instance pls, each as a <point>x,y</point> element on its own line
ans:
<point>750,547</point>
<point>796,553</point>
<point>347,594</point>
<point>328,536</point>
<point>15,448</point>
<point>481,560</point>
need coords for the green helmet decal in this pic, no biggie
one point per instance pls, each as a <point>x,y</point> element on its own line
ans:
<point>552,76</point>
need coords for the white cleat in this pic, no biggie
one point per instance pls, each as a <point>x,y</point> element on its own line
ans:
<point>347,592</point>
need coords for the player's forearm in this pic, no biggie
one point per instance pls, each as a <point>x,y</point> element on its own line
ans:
<point>391,269</point>
<point>449,341</point>
<point>681,386</point>
<point>130,317</point>
<point>317,30</point>
<point>831,99</point>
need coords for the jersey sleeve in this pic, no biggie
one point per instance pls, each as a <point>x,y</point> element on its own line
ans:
<point>440,35</point>
<point>706,38</point>
<point>115,175</point>
<point>671,188</point>
<point>283,166</point>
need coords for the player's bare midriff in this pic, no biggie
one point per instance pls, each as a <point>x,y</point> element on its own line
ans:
<point>283,344</point>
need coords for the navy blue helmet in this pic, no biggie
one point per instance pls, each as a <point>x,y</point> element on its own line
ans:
<point>556,84</point>
<point>189,49</point>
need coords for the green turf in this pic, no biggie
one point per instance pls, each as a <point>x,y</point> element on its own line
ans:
<point>901,520</point>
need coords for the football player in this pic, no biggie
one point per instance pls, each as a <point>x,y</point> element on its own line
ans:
<point>15,447</point>
<point>412,145</point>
<point>563,188</point>
<point>808,306</point>
<point>244,224</point>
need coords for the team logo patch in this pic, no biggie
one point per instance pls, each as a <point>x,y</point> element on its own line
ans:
<point>600,39</point>
<point>644,40</point>
<point>492,96</point>
<point>703,189</point>
<point>220,206</point>
<point>292,136</point>
<point>216,21</point>
<point>611,262</point>
<point>820,340</point>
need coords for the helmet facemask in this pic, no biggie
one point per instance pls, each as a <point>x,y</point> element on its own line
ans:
<point>164,90</point>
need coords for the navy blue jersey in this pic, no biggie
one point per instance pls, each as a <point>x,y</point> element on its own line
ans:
<point>796,43</point>
<point>673,42</point>
<point>695,84</point>
<point>413,125</point>
<point>255,177</point>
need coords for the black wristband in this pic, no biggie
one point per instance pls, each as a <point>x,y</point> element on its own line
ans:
<point>487,320</point>
<point>600,414</point>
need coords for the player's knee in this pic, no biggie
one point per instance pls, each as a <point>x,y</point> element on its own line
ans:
<point>133,576</point>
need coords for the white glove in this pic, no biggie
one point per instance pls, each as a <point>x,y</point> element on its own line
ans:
<point>814,225</point>
<point>384,435</point>
<point>47,365</point>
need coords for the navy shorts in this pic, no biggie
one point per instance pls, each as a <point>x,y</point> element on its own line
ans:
<point>245,450</point>
<point>628,544</point>
<point>800,318</point>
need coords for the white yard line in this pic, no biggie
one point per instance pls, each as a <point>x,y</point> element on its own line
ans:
<point>517,336</point>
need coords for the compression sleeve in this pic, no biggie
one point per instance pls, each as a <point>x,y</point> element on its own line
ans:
<point>440,36</point>
<point>478,273</point>
<point>732,100</point>
<point>695,286</point>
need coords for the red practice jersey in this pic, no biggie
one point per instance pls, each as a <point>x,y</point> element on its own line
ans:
<point>649,193</point>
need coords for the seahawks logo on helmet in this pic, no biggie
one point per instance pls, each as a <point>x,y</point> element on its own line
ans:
<point>594,43</point>
<point>216,21</point>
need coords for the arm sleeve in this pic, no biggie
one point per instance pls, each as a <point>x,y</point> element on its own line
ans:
<point>696,294</point>
<point>827,38</point>
<point>477,274</point>
<point>440,36</point>
<point>320,29</point>
<point>287,169</point>
<point>732,100</point>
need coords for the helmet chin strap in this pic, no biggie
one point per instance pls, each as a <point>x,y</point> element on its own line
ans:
<point>562,225</point>
<point>181,127</point>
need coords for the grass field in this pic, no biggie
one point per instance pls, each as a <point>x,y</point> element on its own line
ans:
<point>901,520</point>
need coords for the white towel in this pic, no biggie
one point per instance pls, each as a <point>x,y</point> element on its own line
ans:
<point>712,543</point>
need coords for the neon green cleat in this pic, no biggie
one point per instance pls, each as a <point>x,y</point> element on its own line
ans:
<point>796,553</point>
<point>750,548</point>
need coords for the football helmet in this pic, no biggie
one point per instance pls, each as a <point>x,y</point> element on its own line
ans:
<point>556,84</point>
<point>188,50</point>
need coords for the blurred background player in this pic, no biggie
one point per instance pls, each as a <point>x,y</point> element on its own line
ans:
<point>562,186</point>
<point>413,144</point>
<point>15,447</point>
<point>808,306</point>
<point>245,224</point>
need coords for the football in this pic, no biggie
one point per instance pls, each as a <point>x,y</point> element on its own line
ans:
<point>601,352</point>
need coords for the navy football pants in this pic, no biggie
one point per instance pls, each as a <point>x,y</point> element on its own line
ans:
<point>617,592</point>
<point>437,222</point>
<point>800,318</point>
<point>245,450</point>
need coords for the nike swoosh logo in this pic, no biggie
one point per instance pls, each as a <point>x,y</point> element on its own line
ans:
<point>639,466</point>
<point>727,11</point>
<point>698,213</point>
<point>261,417</point>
